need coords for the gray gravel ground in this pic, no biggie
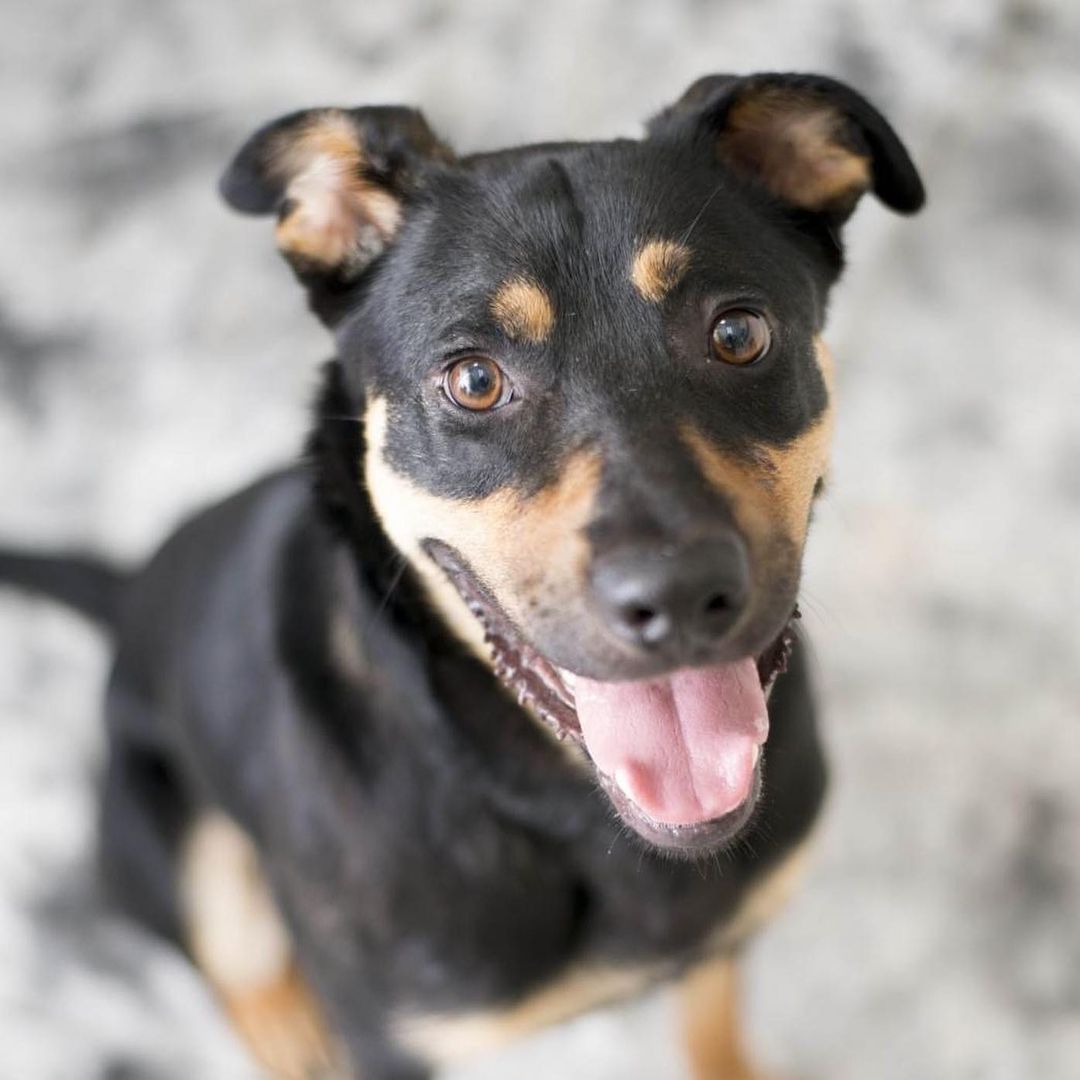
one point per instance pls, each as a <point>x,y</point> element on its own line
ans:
<point>155,354</point>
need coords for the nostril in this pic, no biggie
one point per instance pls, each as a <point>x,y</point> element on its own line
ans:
<point>645,624</point>
<point>640,617</point>
<point>672,597</point>
<point>717,603</point>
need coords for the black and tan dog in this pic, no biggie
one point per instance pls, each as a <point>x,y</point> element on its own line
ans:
<point>441,738</point>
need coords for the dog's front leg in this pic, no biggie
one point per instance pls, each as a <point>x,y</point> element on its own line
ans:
<point>711,1023</point>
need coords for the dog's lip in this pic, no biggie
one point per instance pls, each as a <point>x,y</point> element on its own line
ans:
<point>528,674</point>
<point>686,840</point>
<point>548,691</point>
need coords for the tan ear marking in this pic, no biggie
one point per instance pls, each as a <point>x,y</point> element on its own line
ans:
<point>334,218</point>
<point>524,310</point>
<point>795,147</point>
<point>658,267</point>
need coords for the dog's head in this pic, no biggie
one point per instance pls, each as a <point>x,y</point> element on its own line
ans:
<point>596,403</point>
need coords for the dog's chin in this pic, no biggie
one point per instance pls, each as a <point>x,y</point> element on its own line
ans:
<point>689,840</point>
<point>550,693</point>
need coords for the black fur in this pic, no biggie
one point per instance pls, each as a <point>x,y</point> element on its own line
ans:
<point>89,585</point>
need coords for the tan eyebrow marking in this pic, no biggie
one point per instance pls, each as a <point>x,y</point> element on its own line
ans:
<point>524,310</point>
<point>658,267</point>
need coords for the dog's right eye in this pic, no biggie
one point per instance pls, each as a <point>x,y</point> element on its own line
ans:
<point>476,383</point>
<point>740,336</point>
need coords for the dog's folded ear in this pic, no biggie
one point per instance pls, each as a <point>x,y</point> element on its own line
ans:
<point>811,141</point>
<point>338,180</point>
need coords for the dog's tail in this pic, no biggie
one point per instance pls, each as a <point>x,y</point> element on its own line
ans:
<point>89,585</point>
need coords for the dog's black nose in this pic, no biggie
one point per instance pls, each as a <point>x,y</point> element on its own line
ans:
<point>673,597</point>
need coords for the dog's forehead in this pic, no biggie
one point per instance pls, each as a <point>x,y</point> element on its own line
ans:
<point>550,238</point>
<point>576,251</point>
<point>604,189</point>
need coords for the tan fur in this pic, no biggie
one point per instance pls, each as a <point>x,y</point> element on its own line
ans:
<point>790,142</point>
<point>281,1025</point>
<point>711,1023</point>
<point>658,267</point>
<point>798,467</point>
<point>331,202</point>
<point>508,538</point>
<point>524,310</point>
<point>239,940</point>
<point>235,932</point>
<point>443,1040</point>
<point>773,489</point>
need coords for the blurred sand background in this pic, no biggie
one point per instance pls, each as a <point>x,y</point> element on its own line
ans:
<point>154,353</point>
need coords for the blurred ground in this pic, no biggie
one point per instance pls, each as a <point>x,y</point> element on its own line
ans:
<point>155,353</point>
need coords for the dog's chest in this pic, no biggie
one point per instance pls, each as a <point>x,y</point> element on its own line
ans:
<point>471,911</point>
<point>629,941</point>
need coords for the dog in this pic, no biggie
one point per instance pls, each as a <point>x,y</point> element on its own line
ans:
<point>491,711</point>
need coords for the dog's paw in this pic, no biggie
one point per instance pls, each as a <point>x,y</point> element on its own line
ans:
<point>738,1072</point>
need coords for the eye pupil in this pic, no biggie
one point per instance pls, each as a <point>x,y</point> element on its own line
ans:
<point>475,383</point>
<point>733,334</point>
<point>476,380</point>
<point>740,337</point>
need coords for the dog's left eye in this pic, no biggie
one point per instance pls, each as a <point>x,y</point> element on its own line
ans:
<point>476,383</point>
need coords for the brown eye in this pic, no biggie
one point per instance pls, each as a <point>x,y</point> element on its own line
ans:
<point>740,337</point>
<point>476,383</point>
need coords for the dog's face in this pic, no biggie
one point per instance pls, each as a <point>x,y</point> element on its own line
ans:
<point>596,403</point>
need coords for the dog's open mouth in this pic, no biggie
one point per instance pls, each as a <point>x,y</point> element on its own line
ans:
<point>679,755</point>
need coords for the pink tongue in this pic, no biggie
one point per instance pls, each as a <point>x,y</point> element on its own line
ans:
<point>682,747</point>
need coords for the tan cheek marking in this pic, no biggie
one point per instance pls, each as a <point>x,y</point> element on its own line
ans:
<point>798,467</point>
<point>447,1039</point>
<point>239,941</point>
<point>778,488</point>
<point>335,212</point>
<point>524,310</point>
<point>747,485</point>
<point>505,537</point>
<point>792,146</point>
<point>658,267</point>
